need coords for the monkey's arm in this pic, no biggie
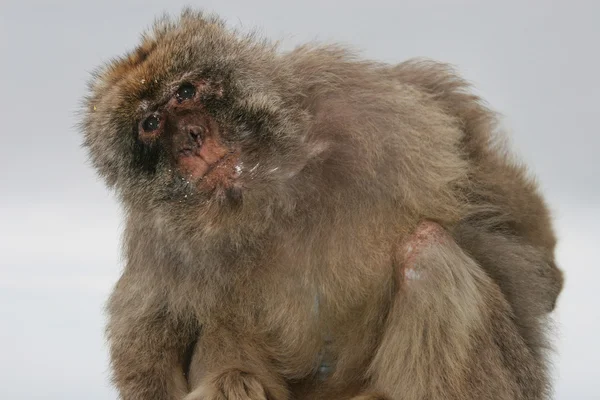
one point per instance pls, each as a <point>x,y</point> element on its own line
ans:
<point>450,333</point>
<point>147,344</point>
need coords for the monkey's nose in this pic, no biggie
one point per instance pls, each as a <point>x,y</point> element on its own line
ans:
<point>195,133</point>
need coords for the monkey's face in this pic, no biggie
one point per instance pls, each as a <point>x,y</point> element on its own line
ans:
<point>193,117</point>
<point>180,135</point>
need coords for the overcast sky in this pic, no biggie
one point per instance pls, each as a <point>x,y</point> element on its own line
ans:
<point>536,62</point>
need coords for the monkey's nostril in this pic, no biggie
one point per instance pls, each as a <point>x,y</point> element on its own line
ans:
<point>196,133</point>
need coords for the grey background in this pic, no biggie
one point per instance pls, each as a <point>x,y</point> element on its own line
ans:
<point>536,62</point>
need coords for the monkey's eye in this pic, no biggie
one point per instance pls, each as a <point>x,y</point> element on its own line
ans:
<point>185,92</point>
<point>151,123</point>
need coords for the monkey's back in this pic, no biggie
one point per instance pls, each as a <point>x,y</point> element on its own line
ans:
<point>423,137</point>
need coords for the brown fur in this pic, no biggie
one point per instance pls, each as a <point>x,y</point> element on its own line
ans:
<point>299,263</point>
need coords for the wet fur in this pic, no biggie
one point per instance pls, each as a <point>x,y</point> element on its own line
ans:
<point>349,157</point>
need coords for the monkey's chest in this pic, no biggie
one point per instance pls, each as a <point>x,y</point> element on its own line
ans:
<point>324,333</point>
<point>317,315</point>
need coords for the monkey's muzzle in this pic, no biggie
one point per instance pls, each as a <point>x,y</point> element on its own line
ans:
<point>199,153</point>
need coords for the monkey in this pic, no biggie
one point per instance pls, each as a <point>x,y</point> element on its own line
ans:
<point>313,225</point>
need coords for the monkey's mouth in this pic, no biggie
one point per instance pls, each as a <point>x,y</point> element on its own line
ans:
<point>209,164</point>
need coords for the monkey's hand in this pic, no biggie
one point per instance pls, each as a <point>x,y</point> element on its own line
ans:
<point>374,396</point>
<point>225,367</point>
<point>233,384</point>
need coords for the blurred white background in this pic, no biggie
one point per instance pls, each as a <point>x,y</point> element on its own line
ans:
<point>536,62</point>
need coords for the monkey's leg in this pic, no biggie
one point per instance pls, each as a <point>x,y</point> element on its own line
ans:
<point>450,333</point>
<point>147,345</point>
<point>228,365</point>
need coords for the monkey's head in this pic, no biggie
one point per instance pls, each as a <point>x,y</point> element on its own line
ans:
<point>200,124</point>
<point>193,117</point>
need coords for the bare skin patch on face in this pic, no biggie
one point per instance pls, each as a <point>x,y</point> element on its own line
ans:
<point>211,166</point>
<point>198,160</point>
<point>204,159</point>
<point>224,172</point>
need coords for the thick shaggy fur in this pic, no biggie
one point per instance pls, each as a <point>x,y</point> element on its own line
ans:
<point>298,287</point>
